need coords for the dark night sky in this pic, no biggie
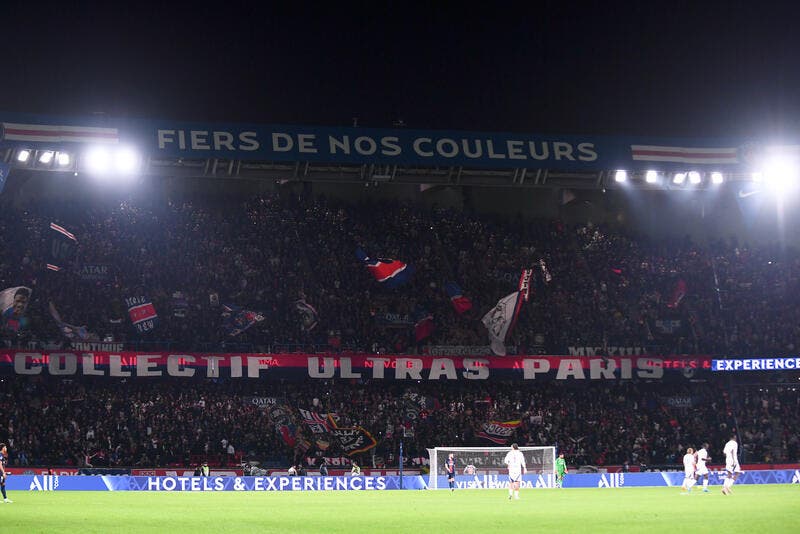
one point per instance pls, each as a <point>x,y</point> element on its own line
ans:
<point>690,69</point>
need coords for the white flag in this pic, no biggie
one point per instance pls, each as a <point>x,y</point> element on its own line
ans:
<point>500,321</point>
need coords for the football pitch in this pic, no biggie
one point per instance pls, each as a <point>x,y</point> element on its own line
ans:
<point>752,508</point>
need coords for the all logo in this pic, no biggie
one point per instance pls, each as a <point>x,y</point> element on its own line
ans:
<point>611,480</point>
<point>44,483</point>
<point>796,477</point>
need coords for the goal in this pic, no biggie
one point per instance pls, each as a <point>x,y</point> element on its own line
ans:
<point>488,461</point>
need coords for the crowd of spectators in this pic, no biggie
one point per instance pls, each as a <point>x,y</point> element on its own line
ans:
<point>191,256</point>
<point>609,289</point>
<point>80,422</point>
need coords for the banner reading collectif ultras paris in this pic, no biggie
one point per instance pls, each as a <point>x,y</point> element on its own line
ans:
<point>320,366</point>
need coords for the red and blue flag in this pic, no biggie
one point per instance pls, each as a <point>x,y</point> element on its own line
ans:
<point>424,326</point>
<point>392,273</point>
<point>457,298</point>
<point>236,320</point>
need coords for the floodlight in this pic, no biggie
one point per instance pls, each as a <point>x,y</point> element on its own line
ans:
<point>717,178</point>
<point>782,173</point>
<point>98,159</point>
<point>651,177</point>
<point>758,177</point>
<point>620,176</point>
<point>63,159</point>
<point>679,178</point>
<point>126,160</point>
<point>23,155</point>
<point>46,156</point>
<point>694,177</point>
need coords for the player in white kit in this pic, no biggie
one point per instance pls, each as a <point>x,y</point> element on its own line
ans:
<point>732,468</point>
<point>689,469</point>
<point>702,469</point>
<point>516,468</point>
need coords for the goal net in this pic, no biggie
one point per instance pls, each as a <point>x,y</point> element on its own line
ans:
<point>488,461</point>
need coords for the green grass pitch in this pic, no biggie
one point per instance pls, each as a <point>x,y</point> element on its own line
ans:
<point>754,508</point>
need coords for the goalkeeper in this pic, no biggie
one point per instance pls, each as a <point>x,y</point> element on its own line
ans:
<point>561,469</point>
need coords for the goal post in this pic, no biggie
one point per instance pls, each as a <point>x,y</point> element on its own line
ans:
<point>488,461</point>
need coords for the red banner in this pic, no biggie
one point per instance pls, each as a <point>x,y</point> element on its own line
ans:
<point>183,472</point>
<point>352,366</point>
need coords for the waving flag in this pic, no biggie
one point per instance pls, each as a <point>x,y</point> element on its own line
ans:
<point>424,326</point>
<point>317,423</point>
<point>353,439</point>
<point>13,305</point>
<point>142,313</point>
<point>63,245</point>
<point>237,320</point>
<point>417,406</point>
<point>287,433</point>
<point>308,314</point>
<point>678,292</point>
<point>67,330</point>
<point>278,415</point>
<point>392,273</point>
<point>501,319</point>
<point>498,431</point>
<point>460,303</point>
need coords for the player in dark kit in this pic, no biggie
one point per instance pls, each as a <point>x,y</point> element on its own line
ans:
<point>450,467</point>
<point>3,462</point>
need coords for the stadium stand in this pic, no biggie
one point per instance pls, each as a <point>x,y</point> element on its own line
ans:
<point>191,257</point>
<point>609,289</point>
<point>140,423</point>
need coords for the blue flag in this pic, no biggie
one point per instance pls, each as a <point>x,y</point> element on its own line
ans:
<point>237,320</point>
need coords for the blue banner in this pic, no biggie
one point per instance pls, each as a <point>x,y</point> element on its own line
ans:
<point>351,145</point>
<point>170,484</point>
<point>756,364</point>
<point>618,480</point>
<point>373,483</point>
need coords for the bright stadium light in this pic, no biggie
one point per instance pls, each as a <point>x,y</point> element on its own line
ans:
<point>651,177</point>
<point>45,157</point>
<point>717,178</point>
<point>679,178</point>
<point>758,177</point>
<point>63,159</point>
<point>23,156</point>
<point>694,177</point>
<point>98,159</point>
<point>620,176</point>
<point>126,160</point>
<point>782,174</point>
